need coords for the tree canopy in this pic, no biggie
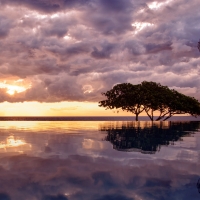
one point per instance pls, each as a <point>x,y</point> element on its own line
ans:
<point>151,98</point>
<point>124,96</point>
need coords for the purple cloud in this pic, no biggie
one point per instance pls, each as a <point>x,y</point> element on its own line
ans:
<point>97,43</point>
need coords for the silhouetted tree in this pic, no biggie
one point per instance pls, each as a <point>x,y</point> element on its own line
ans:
<point>156,98</point>
<point>124,96</point>
<point>150,97</point>
<point>182,104</point>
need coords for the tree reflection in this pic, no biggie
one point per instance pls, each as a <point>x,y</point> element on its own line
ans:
<point>145,137</point>
<point>198,185</point>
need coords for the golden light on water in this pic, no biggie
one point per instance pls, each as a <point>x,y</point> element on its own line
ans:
<point>77,126</point>
<point>40,126</point>
<point>11,142</point>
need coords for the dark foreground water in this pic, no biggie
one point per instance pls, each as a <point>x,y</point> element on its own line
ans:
<point>97,160</point>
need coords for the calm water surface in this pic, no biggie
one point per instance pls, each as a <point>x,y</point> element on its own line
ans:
<point>117,160</point>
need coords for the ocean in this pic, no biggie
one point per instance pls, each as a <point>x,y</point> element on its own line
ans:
<point>91,118</point>
<point>99,158</point>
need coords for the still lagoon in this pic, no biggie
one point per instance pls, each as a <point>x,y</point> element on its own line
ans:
<point>99,160</point>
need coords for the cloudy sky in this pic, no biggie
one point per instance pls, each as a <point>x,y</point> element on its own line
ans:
<point>58,56</point>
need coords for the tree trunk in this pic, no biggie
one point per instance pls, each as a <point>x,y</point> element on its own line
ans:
<point>147,112</point>
<point>162,115</point>
<point>136,117</point>
<point>152,115</point>
<point>167,117</point>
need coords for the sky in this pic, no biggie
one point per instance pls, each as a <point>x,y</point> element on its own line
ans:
<point>58,56</point>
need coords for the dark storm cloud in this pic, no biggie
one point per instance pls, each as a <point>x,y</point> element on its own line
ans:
<point>76,49</point>
<point>53,90</point>
<point>58,30</point>
<point>155,48</point>
<point>110,23</point>
<point>68,51</point>
<point>46,6</point>
<point>82,44</point>
<point>55,197</point>
<point>105,51</point>
<point>114,197</point>
<point>116,5</point>
<point>5,26</point>
<point>134,47</point>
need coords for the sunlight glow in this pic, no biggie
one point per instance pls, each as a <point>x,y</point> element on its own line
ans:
<point>54,16</point>
<point>35,15</point>
<point>11,142</point>
<point>87,89</point>
<point>141,10</point>
<point>34,30</point>
<point>156,5</point>
<point>67,37</point>
<point>19,80</point>
<point>11,88</point>
<point>57,109</point>
<point>141,25</point>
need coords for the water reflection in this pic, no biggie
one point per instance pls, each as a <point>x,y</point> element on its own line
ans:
<point>147,137</point>
<point>198,185</point>
<point>11,142</point>
<point>72,161</point>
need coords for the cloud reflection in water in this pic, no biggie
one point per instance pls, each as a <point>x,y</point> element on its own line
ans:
<point>83,165</point>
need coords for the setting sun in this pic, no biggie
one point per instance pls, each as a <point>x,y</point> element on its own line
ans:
<point>14,86</point>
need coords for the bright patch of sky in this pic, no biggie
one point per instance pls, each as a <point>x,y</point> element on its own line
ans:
<point>157,5</point>
<point>14,87</point>
<point>141,25</point>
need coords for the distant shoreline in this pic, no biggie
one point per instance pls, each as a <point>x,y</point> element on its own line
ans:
<point>90,118</point>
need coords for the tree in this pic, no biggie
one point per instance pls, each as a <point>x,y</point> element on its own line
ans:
<point>167,102</point>
<point>156,99</point>
<point>124,96</point>
<point>178,103</point>
<point>150,97</point>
